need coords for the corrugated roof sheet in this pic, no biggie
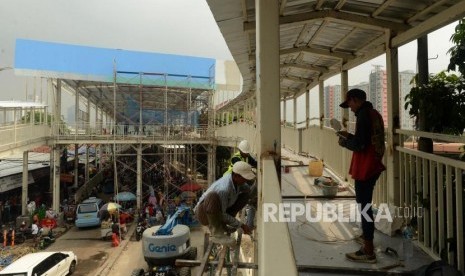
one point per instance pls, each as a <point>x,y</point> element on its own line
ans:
<point>320,38</point>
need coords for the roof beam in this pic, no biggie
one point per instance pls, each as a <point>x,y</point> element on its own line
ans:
<point>306,67</point>
<point>424,11</point>
<point>288,91</point>
<point>317,51</point>
<point>343,39</point>
<point>340,4</point>
<point>381,8</point>
<point>317,33</point>
<point>433,23</point>
<point>319,4</point>
<point>297,79</point>
<point>348,18</point>
<point>244,10</point>
<point>282,6</point>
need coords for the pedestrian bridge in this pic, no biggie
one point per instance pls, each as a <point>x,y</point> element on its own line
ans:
<point>283,49</point>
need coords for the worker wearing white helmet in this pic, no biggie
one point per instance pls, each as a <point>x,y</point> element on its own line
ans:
<point>242,155</point>
<point>219,205</point>
<point>248,194</point>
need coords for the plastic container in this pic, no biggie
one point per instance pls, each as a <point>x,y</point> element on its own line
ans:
<point>407,245</point>
<point>329,188</point>
<point>315,168</point>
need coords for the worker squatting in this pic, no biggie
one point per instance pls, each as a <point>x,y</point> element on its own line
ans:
<point>331,212</point>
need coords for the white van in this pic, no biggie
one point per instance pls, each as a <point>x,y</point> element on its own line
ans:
<point>87,212</point>
<point>59,263</point>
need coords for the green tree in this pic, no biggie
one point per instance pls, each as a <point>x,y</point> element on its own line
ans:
<point>457,52</point>
<point>442,102</point>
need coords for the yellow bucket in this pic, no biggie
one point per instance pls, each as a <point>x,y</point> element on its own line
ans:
<point>315,168</point>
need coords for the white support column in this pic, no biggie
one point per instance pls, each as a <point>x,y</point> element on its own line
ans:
<point>14,122</point>
<point>321,108</point>
<point>269,142</point>
<point>294,100</point>
<point>88,116</point>
<point>101,120</point>
<point>76,110</point>
<point>307,108</point>
<point>344,89</point>
<point>345,118</point>
<point>284,112</point>
<point>211,163</point>
<point>392,67</point>
<point>25,183</point>
<point>100,159</point>
<point>267,75</point>
<point>56,179</point>
<point>86,167</point>
<point>31,116</point>
<point>57,111</point>
<point>321,103</point>
<point>76,165</point>
<point>139,177</point>
<point>96,125</point>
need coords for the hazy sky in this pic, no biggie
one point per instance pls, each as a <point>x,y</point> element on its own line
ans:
<point>165,26</point>
<point>183,27</point>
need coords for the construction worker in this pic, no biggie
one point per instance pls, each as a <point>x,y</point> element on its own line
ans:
<point>248,194</point>
<point>242,155</point>
<point>218,206</point>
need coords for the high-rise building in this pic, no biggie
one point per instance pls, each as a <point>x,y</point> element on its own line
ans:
<point>378,90</point>
<point>331,102</point>
<point>405,79</point>
<point>378,94</point>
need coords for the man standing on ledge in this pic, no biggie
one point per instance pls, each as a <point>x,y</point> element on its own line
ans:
<point>366,166</point>
<point>217,207</point>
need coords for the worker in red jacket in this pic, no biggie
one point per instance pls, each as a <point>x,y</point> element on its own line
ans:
<point>367,144</point>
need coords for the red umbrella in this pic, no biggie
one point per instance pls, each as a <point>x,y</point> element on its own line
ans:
<point>190,187</point>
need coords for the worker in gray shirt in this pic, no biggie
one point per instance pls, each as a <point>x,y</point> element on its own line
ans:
<point>216,206</point>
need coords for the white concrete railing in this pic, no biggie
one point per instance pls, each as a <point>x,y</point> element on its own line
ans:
<point>275,253</point>
<point>237,131</point>
<point>16,136</point>
<point>442,179</point>
<point>322,143</point>
<point>290,138</point>
<point>435,183</point>
<point>130,132</point>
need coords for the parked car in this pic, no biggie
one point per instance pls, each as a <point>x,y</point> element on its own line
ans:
<point>58,263</point>
<point>87,212</point>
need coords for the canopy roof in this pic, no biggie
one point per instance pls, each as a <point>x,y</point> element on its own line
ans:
<point>320,38</point>
<point>137,82</point>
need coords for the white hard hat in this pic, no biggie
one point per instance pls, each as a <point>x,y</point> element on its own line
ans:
<point>244,146</point>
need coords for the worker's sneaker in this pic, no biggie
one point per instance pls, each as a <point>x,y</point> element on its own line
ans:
<point>361,257</point>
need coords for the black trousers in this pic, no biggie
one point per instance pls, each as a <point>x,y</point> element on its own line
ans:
<point>364,196</point>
